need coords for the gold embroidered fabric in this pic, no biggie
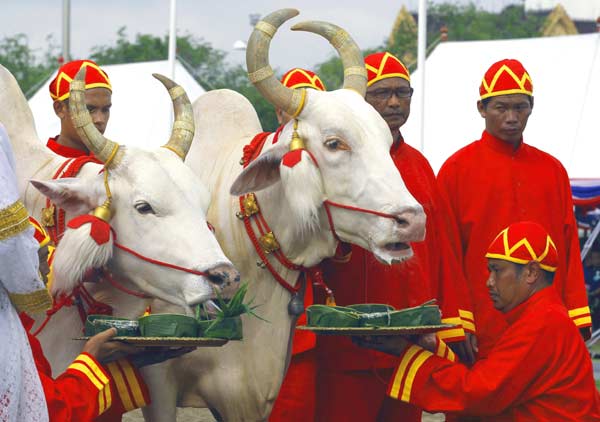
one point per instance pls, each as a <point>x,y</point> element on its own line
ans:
<point>33,302</point>
<point>13,220</point>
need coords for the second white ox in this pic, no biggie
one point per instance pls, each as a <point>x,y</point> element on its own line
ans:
<point>159,208</point>
<point>350,143</point>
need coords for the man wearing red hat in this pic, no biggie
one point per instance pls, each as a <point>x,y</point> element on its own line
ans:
<point>497,179</point>
<point>351,382</point>
<point>296,401</point>
<point>538,370</point>
<point>97,98</point>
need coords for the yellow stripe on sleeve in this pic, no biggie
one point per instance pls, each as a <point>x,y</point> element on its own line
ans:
<point>117,375</point>
<point>579,311</point>
<point>93,366</point>
<point>451,333</point>
<point>466,314</point>
<point>412,373</point>
<point>408,355</point>
<point>134,385</point>
<point>583,321</point>
<point>101,402</point>
<point>78,366</point>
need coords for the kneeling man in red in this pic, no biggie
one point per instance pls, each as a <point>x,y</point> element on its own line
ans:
<point>539,369</point>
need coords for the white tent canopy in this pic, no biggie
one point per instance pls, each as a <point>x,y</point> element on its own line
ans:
<point>142,111</point>
<point>566,86</point>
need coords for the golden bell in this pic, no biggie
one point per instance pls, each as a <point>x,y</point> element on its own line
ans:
<point>297,142</point>
<point>103,211</point>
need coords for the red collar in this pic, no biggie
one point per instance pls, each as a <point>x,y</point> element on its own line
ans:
<point>499,145</point>
<point>547,295</point>
<point>63,150</point>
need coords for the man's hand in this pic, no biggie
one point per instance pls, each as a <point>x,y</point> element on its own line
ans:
<point>466,350</point>
<point>104,350</point>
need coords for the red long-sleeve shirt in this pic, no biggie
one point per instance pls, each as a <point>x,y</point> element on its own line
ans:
<point>490,185</point>
<point>539,370</point>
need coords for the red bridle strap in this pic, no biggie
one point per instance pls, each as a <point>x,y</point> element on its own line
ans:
<point>157,262</point>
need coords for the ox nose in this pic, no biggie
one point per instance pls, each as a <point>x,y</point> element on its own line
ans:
<point>411,222</point>
<point>225,277</point>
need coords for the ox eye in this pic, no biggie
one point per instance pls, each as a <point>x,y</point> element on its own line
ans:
<point>144,208</point>
<point>336,144</point>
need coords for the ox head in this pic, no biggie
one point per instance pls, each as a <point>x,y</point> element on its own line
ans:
<point>347,152</point>
<point>159,211</point>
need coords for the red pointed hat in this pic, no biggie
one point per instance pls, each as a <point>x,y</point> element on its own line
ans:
<point>40,234</point>
<point>384,65</point>
<point>505,77</point>
<point>523,242</point>
<point>302,78</point>
<point>94,78</point>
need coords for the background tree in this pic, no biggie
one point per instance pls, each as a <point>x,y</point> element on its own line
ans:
<point>204,62</point>
<point>28,69</point>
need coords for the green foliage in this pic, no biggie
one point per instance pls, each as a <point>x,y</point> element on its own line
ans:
<point>29,70</point>
<point>464,23</point>
<point>232,308</point>
<point>467,22</point>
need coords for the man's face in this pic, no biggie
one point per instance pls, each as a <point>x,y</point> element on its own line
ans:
<point>391,98</point>
<point>507,286</point>
<point>98,102</point>
<point>506,116</point>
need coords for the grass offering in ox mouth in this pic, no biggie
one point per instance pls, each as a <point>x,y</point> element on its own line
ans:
<point>226,322</point>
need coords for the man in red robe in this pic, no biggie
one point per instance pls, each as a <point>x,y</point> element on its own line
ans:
<point>296,399</point>
<point>97,99</point>
<point>499,179</point>
<point>538,370</point>
<point>351,382</point>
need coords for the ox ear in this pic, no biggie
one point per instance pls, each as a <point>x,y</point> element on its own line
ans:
<point>74,195</point>
<point>261,173</point>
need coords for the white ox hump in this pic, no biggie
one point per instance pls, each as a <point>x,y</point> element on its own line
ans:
<point>223,117</point>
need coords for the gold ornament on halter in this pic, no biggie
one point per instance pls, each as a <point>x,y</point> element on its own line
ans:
<point>297,141</point>
<point>103,212</point>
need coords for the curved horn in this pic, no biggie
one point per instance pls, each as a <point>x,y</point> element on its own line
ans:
<point>103,148</point>
<point>355,74</point>
<point>183,127</point>
<point>260,72</point>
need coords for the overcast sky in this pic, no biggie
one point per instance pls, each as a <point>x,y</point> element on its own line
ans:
<point>220,22</point>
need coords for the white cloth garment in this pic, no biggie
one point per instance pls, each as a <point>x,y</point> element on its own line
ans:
<point>21,394</point>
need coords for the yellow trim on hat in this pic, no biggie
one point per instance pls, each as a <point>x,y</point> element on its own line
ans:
<point>312,80</point>
<point>520,81</point>
<point>378,70</point>
<point>508,251</point>
<point>63,75</point>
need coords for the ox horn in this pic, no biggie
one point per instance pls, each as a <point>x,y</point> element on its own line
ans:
<point>183,127</point>
<point>355,74</point>
<point>260,72</point>
<point>103,148</point>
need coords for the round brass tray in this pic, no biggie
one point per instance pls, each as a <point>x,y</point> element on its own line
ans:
<point>376,331</point>
<point>169,341</point>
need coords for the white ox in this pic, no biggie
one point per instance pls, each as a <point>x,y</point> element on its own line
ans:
<point>351,144</point>
<point>159,209</point>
